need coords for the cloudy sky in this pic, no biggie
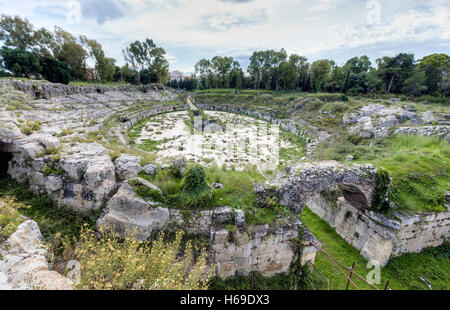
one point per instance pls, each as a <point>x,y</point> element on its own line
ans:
<point>193,29</point>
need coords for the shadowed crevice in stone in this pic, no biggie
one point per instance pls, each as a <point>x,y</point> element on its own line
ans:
<point>5,158</point>
<point>354,196</point>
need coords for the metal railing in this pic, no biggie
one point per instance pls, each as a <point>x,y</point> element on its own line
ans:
<point>343,269</point>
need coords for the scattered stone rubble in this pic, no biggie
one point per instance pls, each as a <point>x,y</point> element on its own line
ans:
<point>376,120</point>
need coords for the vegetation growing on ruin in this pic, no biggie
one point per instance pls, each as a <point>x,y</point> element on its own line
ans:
<point>195,192</point>
<point>403,272</point>
<point>379,195</point>
<point>145,192</point>
<point>294,280</point>
<point>10,216</point>
<point>114,263</point>
<point>237,192</point>
<point>108,262</point>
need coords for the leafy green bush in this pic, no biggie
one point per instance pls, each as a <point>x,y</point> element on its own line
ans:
<point>383,181</point>
<point>196,193</point>
<point>146,192</point>
<point>20,62</point>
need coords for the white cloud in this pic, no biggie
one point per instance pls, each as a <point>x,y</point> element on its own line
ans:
<point>411,25</point>
<point>190,30</point>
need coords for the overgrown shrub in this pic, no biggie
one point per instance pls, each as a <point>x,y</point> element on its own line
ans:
<point>383,181</point>
<point>10,217</point>
<point>145,192</point>
<point>109,262</point>
<point>195,194</point>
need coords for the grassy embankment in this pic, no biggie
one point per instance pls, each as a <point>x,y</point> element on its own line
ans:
<point>419,165</point>
<point>403,272</point>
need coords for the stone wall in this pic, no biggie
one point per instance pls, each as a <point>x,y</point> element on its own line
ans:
<point>24,265</point>
<point>285,124</point>
<point>377,236</point>
<point>343,195</point>
<point>269,249</point>
<point>84,175</point>
<point>47,90</point>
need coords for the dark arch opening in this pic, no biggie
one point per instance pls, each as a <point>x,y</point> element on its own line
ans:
<point>354,196</point>
<point>5,158</point>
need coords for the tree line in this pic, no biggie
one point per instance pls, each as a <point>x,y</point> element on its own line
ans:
<point>276,70</point>
<point>60,57</point>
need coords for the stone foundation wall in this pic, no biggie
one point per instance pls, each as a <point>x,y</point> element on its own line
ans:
<point>269,249</point>
<point>46,90</point>
<point>377,236</point>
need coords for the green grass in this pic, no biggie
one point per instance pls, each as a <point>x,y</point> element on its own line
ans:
<point>86,83</point>
<point>237,192</point>
<point>419,166</point>
<point>50,218</point>
<point>403,272</point>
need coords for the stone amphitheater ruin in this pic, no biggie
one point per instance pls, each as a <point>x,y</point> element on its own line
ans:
<point>73,144</point>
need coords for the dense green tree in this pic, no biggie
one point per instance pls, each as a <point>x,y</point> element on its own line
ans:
<point>415,84</point>
<point>56,71</point>
<point>128,75</point>
<point>16,32</point>
<point>255,68</point>
<point>204,70</point>
<point>374,83</point>
<point>44,42</point>
<point>358,65</point>
<point>302,71</point>
<point>337,79</point>
<point>70,50</point>
<point>20,62</point>
<point>105,67</point>
<point>287,75</point>
<point>320,73</point>
<point>117,76</point>
<point>264,68</point>
<point>146,55</point>
<point>395,70</point>
<point>223,67</point>
<point>437,69</point>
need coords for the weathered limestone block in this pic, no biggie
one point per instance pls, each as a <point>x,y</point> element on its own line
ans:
<point>100,177</point>
<point>377,236</point>
<point>24,265</point>
<point>300,182</point>
<point>53,183</point>
<point>427,131</point>
<point>128,166</point>
<point>26,239</point>
<point>240,218</point>
<point>375,120</point>
<point>150,169</point>
<point>258,248</point>
<point>223,215</point>
<point>126,212</point>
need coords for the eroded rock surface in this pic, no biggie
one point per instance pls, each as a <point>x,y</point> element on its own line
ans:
<point>23,265</point>
<point>298,182</point>
<point>376,121</point>
<point>266,248</point>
